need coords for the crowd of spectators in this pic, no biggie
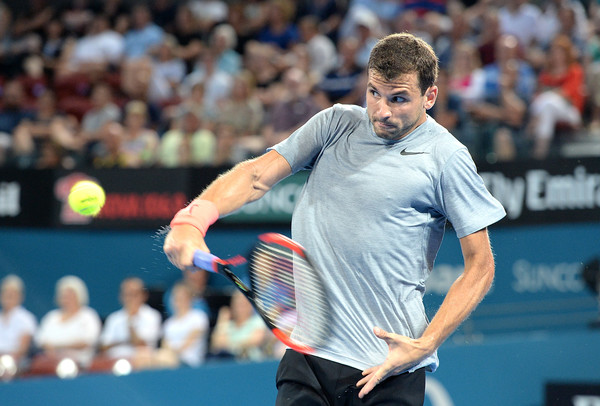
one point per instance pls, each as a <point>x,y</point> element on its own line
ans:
<point>183,330</point>
<point>169,83</point>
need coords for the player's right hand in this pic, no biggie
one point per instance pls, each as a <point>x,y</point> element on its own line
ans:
<point>181,243</point>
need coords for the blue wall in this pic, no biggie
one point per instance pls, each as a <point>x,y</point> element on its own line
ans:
<point>504,371</point>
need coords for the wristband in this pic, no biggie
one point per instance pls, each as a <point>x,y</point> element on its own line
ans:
<point>200,214</point>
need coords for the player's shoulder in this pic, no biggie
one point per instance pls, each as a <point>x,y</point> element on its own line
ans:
<point>443,144</point>
<point>348,111</point>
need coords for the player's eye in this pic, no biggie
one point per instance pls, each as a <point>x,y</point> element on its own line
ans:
<point>397,99</point>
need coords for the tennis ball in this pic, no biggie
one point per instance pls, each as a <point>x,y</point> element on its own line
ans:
<point>86,198</point>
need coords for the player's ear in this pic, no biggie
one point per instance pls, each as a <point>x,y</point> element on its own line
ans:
<point>430,97</point>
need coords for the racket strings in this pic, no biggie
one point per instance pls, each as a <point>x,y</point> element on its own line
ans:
<point>289,293</point>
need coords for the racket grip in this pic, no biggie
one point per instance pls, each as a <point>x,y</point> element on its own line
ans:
<point>205,260</point>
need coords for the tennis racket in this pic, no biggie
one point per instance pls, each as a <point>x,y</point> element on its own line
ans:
<point>285,289</point>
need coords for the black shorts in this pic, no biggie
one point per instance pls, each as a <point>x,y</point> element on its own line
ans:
<point>304,380</point>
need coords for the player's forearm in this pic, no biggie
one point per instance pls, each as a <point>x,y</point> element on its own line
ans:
<point>462,298</point>
<point>246,182</point>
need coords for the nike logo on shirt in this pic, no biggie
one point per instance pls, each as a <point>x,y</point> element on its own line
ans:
<point>405,152</point>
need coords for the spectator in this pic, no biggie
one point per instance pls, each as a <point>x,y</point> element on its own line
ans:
<point>103,111</point>
<point>560,98</point>
<point>168,70</point>
<point>187,143</point>
<point>76,16</point>
<point>17,324</point>
<point>184,336</point>
<point>72,330</point>
<point>53,45</point>
<point>136,325</point>
<point>329,14</point>
<point>293,107</point>
<point>140,143</point>
<point>519,18</point>
<point>243,110</point>
<point>197,281</point>
<point>209,13</point>
<point>239,332</point>
<point>13,108</point>
<point>94,53</point>
<point>346,82</point>
<point>223,42</point>
<point>280,29</point>
<point>190,40</point>
<point>49,130</point>
<point>321,50</point>
<point>143,36</point>
<point>556,12</point>
<point>106,153</point>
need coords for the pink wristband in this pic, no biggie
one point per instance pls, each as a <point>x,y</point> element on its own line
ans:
<point>199,213</point>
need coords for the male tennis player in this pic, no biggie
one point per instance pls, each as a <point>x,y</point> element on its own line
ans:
<point>384,180</point>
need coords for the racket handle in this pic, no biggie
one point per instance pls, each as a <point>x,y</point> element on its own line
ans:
<point>205,260</point>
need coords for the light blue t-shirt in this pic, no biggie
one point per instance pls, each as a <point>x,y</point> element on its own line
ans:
<point>371,217</point>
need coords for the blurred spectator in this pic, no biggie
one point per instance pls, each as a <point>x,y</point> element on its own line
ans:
<point>367,29</point>
<point>76,16</point>
<point>465,76</point>
<point>13,108</point>
<point>143,36</point>
<point>48,132</point>
<point>560,98</point>
<point>134,326</point>
<point>190,39</point>
<point>209,13</point>
<point>168,71</point>
<point>437,28</point>
<point>345,83</point>
<point>592,70</point>
<point>554,15</point>
<point>184,338</point>
<point>103,111</point>
<point>294,106</point>
<point>223,42</point>
<point>239,333</point>
<point>488,36</point>
<point>72,330</point>
<point>519,18</point>
<point>280,29</point>
<point>500,98</point>
<point>187,143</point>
<point>217,83</point>
<point>139,147</point>
<point>17,324</point>
<point>243,110</point>
<point>106,153</point>
<point>259,60</point>
<point>247,18</point>
<point>329,14</point>
<point>95,52</point>
<point>228,149</point>
<point>53,45</point>
<point>163,12</point>
<point>197,282</point>
<point>321,50</point>
<point>380,15</point>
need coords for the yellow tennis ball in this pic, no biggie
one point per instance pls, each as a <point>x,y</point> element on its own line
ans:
<point>87,198</point>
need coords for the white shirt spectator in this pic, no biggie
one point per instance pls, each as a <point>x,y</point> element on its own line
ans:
<point>146,323</point>
<point>522,23</point>
<point>322,53</point>
<point>83,327</point>
<point>178,329</point>
<point>17,323</point>
<point>107,46</point>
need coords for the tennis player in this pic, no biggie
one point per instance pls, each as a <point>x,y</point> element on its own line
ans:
<point>384,180</point>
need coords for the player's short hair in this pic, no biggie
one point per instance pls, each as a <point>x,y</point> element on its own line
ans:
<point>402,54</point>
<point>78,286</point>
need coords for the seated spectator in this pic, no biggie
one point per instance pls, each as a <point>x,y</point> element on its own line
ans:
<point>280,29</point>
<point>293,107</point>
<point>197,282</point>
<point>72,330</point>
<point>560,98</point>
<point>168,70</point>
<point>321,50</point>
<point>103,111</point>
<point>223,42</point>
<point>240,332</point>
<point>184,336</point>
<point>106,153</point>
<point>140,143</point>
<point>48,129</point>
<point>95,52</point>
<point>187,143</point>
<point>190,39</point>
<point>243,110</point>
<point>135,326</point>
<point>143,36</point>
<point>17,324</point>
<point>346,82</point>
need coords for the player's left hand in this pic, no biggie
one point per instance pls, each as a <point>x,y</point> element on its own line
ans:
<point>403,353</point>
